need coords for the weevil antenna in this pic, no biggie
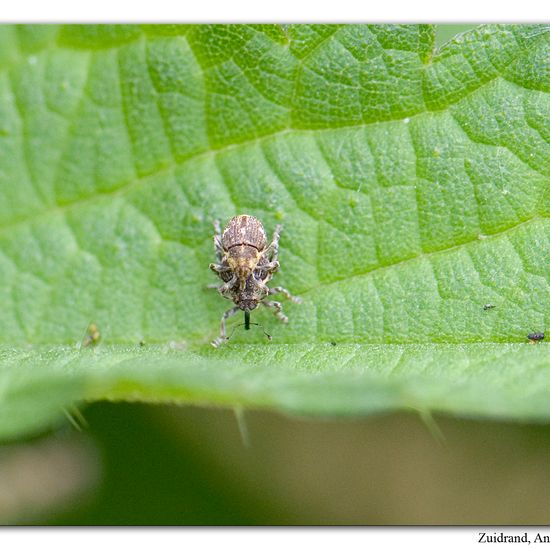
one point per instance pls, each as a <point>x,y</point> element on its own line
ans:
<point>268,336</point>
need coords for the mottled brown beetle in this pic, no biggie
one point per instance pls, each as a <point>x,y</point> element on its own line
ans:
<point>245,265</point>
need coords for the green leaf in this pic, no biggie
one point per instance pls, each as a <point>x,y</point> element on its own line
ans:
<point>413,185</point>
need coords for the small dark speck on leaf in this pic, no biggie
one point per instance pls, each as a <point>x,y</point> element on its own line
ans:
<point>488,306</point>
<point>535,336</point>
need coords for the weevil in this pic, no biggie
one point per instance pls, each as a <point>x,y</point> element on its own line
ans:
<point>245,264</point>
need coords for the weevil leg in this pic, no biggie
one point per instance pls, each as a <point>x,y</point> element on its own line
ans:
<point>273,248</point>
<point>278,310</point>
<point>218,248</point>
<point>218,240</point>
<point>218,268</point>
<point>226,287</point>
<point>222,339</point>
<point>271,267</point>
<point>213,286</point>
<point>285,293</point>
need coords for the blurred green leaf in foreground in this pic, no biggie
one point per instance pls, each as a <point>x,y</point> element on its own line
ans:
<point>412,183</point>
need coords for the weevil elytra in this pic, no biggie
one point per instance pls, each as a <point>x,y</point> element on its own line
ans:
<point>246,264</point>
